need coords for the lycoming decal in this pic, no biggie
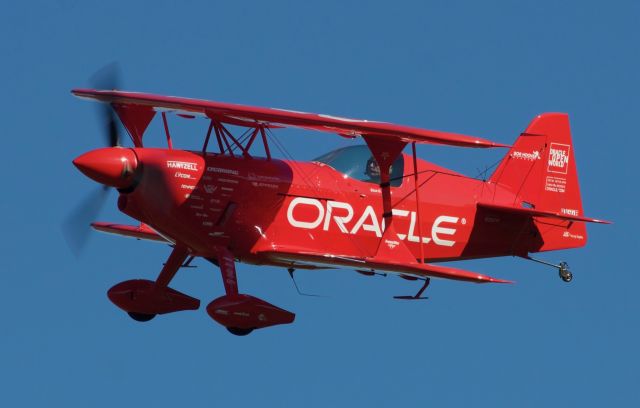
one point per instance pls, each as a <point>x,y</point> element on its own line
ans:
<point>325,215</point>
<point>558,158</point>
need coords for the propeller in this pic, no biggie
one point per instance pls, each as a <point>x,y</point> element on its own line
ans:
<point>108,78</point>
<point>75,227</point>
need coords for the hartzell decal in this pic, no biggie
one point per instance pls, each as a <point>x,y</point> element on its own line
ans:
<point>173,164</point>
<point>326,215</point>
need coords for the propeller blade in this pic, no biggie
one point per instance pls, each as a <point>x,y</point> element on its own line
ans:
<point>76,226</point>
<point>108,78</point>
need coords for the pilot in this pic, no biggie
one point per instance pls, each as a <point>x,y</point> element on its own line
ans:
<point>372,170</point>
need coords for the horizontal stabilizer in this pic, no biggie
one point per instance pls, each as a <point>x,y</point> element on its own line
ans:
<point>532,212</point>
<point>141,231</point>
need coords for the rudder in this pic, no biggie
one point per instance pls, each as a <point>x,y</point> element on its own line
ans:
<point>540,170</point>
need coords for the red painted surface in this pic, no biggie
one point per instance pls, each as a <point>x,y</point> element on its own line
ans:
<point>308,214</point>
<point>112,166</point>
<point>145,297</point>
<point>247,312</point>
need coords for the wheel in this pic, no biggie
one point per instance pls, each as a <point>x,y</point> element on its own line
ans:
<point>567,276</point>
<point>239,332</point>
<point>564,272</point>
<point>141,317</point>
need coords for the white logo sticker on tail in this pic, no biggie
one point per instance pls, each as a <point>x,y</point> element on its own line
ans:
<point>558,158</point>
<point>555,184</point>
<point>533,156</point>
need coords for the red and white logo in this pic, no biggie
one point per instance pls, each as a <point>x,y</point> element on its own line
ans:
<point>558,158</point>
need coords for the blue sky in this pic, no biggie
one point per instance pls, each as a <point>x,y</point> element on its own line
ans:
<point>482,68</point>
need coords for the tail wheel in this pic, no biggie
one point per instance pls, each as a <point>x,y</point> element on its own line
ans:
<point>564,272</point>
<point>141,317</point>
<point>239,332</point>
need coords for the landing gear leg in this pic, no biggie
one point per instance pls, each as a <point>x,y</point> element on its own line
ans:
<point>230,280</point>
<point>143,299</point>
<point>417,296</point>
<point>563,268</point>
<point>177,257</point>
<point>240,313</point>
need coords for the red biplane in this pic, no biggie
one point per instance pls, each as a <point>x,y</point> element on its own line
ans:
<point>371,207</point>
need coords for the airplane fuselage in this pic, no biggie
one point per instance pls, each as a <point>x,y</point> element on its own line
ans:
<point>255,206</point>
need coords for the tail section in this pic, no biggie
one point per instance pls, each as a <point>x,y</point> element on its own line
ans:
<point>540,170</point>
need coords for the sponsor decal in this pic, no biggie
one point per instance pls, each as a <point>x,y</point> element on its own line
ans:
<point>187,187</point>
<point>230,181</point>
<point>264,185</point>
<point>178,174</point>
<point>567,234</point>
<point>260,177</point>
<point>391,244</point>
<point>555,184</point>
<point>533,156</point>
<point>326,215</point>
<point>210,188</point>
<point>558,158</point>
<point>570,211</point>
<point>220,170</point>
<point>173,164</point>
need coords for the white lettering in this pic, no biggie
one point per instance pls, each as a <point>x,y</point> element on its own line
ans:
<point>535,155</point>
<point>412,227</point>
<point>222,171</point>
<point>374,226</point>
<point>182,165</point>
<point>305,201</point>
<point>340,221</point>
<point>437,229</point>
<point>400,213</point>
<point>325,214</point>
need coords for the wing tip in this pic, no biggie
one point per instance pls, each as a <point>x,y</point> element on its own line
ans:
<point>489,279</point>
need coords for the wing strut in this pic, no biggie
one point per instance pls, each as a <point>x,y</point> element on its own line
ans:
<point>415,183</point>
<point>385,151</point>
<point>136,119</point>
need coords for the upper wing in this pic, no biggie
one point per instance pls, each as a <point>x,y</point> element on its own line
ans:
<point>255,116</point>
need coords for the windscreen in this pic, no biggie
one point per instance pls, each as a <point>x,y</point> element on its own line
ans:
<point>358,163</point>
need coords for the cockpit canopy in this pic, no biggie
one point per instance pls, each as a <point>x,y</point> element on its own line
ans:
<point>358,163</point>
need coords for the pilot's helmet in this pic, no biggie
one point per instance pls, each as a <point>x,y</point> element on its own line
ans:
<point>372,170</point>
